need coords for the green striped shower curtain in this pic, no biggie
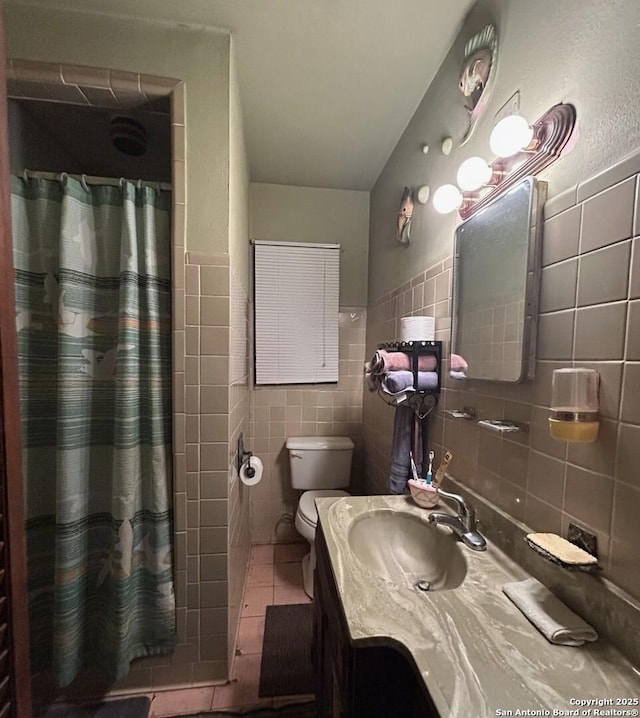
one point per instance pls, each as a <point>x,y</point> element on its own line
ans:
<point>93,313</point>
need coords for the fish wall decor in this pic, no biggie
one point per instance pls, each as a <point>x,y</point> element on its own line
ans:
<point>403,229</point>
<point>478,70</point>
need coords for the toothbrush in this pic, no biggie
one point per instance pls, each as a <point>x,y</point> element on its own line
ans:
<point>431,456</point>
<point>414,469</point>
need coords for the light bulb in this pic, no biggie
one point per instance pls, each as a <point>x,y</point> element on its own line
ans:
<point>447,199</point>
<point>510,135</point>
<point>473,173</point>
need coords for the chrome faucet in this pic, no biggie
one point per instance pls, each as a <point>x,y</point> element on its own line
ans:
<point>464,525</point>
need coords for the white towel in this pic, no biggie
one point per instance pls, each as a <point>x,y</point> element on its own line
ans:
<point>557,623</point>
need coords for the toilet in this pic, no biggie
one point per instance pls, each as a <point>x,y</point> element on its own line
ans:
<point>320,467</point>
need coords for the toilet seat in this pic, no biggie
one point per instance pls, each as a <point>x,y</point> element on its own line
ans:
<point>307,514</point>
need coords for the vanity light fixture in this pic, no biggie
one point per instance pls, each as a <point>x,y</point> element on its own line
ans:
<point>473,173</point>
<point>523,150</point>
<point>539,145</point>
<point>512,134</point>
<point>447,199</point>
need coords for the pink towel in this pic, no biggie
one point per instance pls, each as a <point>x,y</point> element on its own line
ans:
<point>384,361</point>
<point>458,363</point>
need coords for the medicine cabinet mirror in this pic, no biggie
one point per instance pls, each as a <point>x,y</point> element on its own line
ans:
<point>496,285</point>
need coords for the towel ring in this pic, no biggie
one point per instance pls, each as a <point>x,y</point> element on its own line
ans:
<point>422,404</point>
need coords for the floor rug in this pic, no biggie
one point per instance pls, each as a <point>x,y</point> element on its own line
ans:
<point>126,708</point>
<point>285,669</point>
<point>297,710</point>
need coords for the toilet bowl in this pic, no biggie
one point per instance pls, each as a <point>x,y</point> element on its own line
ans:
<point>306,523</point>
<point>320,467</point>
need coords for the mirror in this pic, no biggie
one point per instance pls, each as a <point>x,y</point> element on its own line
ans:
<point>496,284</point>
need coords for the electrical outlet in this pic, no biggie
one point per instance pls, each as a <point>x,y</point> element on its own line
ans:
<point>583,539</point>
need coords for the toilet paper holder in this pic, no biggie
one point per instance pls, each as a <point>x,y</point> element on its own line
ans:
<point>243,456</point>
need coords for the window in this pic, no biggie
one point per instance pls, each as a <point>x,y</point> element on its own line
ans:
<point>296,292</point>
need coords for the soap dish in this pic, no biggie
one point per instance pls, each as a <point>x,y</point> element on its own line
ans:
<point>561,552</point>
<point>425,495</point>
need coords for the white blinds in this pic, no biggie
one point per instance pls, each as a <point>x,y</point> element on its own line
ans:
<point>296,290</point>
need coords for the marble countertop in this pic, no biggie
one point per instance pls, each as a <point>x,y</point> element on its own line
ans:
<point>477,653</point>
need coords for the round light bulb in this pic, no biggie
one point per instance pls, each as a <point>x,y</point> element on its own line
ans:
<point>447,198</point>
<point>510,135</point>
<point>473,173</point>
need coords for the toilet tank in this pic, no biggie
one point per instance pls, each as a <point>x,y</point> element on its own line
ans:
<point>320,462</point>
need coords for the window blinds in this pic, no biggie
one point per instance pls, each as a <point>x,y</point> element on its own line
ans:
<point>296,293</point>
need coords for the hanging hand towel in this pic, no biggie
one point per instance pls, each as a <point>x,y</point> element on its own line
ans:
<point>557,623</point>
<point>400,469</point>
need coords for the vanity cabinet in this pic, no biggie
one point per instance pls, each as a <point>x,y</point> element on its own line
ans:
<point>351,682</point>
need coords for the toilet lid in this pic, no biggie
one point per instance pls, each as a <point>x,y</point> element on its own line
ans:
<point>307,505</point>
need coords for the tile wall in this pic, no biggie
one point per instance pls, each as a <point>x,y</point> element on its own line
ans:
<point>89,86</point>
<point>428,293</point>
<point>239,423</point>
<point>294,410</point>
<point>589,316</point>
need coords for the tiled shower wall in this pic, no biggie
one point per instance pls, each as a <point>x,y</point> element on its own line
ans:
<point>589,316</point>
<point>292,410</point>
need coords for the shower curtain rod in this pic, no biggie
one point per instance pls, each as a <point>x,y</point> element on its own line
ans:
<point>87,179</point>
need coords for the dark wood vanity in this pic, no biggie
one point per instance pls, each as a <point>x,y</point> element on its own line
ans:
<point>376,681</point>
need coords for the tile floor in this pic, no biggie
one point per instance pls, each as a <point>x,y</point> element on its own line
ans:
<point>274,577</point>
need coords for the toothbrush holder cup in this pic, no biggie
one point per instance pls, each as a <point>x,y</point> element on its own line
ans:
<point>425,495</point>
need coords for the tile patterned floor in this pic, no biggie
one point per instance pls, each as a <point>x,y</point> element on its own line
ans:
<point>274,577</point>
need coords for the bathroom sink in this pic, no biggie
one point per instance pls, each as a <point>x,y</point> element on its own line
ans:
<point>404,549</point>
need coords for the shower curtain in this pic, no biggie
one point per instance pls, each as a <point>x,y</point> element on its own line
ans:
<point>93,313</point>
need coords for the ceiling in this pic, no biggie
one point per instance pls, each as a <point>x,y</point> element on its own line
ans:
<point>327,86</point>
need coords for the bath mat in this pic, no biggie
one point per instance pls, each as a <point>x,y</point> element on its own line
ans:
<point>293,710</point>
<point>126,708</point>
<point>285,669</point>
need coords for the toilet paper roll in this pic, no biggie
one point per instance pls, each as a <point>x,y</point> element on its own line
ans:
<point>254,463</point>
<point>417,329</point>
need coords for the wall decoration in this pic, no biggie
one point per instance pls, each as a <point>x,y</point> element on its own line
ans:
<point>477,73</point>
<point>423,194</point>
<point>403,229</point>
